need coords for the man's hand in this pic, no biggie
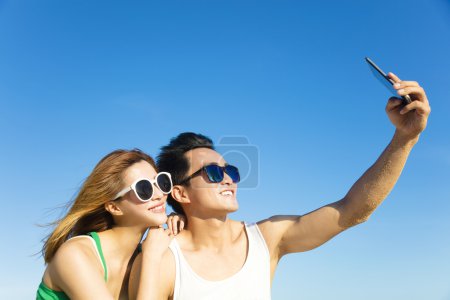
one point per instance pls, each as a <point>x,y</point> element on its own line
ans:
<point>175,223</point>
<point>410,120</point>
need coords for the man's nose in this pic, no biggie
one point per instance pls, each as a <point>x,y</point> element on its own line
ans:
<point>226,179</point>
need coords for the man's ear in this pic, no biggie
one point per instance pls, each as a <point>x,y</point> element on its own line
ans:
<point>113,208</point>
<point>180,195</point>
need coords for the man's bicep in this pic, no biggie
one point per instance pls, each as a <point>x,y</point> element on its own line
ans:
<point>289,234</point>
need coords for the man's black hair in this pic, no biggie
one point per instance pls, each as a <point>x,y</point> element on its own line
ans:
<point>172,159</point>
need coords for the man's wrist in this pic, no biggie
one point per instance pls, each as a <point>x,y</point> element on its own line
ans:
<point>403,140</point>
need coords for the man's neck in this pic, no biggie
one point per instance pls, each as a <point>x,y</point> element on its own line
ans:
<point>213,233</point>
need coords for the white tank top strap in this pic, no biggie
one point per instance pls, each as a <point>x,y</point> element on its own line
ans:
<point>256,234</point>
<point>176,251</point>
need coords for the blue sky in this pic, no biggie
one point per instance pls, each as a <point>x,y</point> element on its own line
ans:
<point>79,79</point>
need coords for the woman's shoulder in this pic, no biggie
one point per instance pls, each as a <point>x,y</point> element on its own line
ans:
<point>77,245</point>
<point>76,255</point>
<point>75,250</point>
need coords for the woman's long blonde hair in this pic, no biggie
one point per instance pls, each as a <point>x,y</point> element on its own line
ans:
<point>88,212</point>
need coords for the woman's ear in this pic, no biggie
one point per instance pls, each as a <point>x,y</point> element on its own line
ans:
<point>180,195</point>
<point>113,208</point>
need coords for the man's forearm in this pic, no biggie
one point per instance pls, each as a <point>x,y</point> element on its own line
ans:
<point>376,183</point>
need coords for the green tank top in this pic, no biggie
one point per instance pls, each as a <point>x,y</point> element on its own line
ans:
<point>46,293</point>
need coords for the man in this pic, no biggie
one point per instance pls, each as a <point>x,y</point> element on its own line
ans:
<point>219,258</point>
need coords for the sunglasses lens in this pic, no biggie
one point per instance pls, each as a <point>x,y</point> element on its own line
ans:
<point>144,190</point>
<point>164,183</point>
<point>233,172</point>
<point>215,173</point>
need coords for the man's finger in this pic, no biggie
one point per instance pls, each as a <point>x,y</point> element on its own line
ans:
<point>174,226</point>
<point>393,103</point>
<point>403,84</point>
<point>169,224</point>
<point>181,225</point>
<point>394,77</point>
<point>420,107</point>
<point>169,233</point>
<point>413,90</point>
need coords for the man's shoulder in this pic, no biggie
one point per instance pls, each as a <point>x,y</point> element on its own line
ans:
<point>272,228</point>
<point>238,227</point>
<point>277,221</point>
<point>168,259</point>
<point>262,225</point>
<point>237,223</point>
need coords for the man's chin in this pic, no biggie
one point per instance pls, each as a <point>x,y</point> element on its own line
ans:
<point>228,209</point>
<point>233,208</point>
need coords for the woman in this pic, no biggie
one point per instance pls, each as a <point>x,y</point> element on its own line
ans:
<point>90,249</point>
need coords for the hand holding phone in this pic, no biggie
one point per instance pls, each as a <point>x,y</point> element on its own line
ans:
<point>385,80</point>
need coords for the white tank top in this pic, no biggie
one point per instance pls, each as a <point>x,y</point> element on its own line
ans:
<point>251,282</point>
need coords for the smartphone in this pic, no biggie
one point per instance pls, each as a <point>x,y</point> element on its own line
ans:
<point>386,81</point>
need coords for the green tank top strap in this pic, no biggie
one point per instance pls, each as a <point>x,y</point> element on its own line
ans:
<point>96,238</point>
<point>46,293</point>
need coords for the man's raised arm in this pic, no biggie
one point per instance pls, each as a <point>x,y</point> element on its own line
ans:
<point>288,234</point>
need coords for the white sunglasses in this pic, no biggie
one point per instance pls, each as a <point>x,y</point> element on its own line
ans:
<point>143,187</point>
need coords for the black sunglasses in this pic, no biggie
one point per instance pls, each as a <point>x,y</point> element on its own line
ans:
<point>215,173</point>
